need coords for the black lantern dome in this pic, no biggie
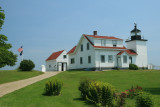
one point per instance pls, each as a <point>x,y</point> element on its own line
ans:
<point>136,33</point>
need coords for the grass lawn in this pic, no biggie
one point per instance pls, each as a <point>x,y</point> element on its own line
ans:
<point>14,75</point>
<point>31,96</point>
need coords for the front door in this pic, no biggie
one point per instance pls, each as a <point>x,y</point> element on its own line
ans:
<point>59,66</point>
<point>130,60</point>
<point>62,66</point>
<point>119,62</point>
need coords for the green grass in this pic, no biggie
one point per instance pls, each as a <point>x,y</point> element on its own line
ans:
<point>14,75</point>
<point>31,96</point>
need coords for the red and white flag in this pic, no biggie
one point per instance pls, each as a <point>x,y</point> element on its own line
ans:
<point>20,50</point>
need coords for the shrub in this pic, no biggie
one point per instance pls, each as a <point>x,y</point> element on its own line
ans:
<point>133,91</point>
<point>121,99</point>
<point>133,67</point>
<point>53,87</point>
<point>144,100</point>
<point>84,88</point>
<point>99,93</point>
<point>26,65</point>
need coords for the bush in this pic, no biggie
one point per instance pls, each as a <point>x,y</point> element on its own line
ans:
<point>131,93</point>
<point>26,65</point>
<point>133,67</point>
<point>121,99</point>
<point>144,100</point>
<point>99,93</point>
<point>53,87</point>
<point>84,88</point>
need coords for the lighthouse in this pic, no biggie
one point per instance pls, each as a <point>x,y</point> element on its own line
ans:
<point>138,44</point>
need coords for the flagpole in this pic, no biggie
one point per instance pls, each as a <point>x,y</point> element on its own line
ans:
<point>22,57</point>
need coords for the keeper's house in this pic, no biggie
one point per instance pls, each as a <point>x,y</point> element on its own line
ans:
<point>104,52</point>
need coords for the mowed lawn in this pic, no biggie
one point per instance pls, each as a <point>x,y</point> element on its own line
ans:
<point>14,75</point>
<point>31,96</point>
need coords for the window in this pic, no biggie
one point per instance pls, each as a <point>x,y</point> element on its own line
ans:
<point>110,58</point>
<point>103,42</point>
<point>81,47</point>
<point>89,59</point>
<point>124,59</point>
<point>114,42</point>
<point>72,60</point>
<point>87,46</point>
<point>64,56</point>
<point>81,60</point>
<point>102,59</point>
<point>49,66</point>
<point>130,60</point>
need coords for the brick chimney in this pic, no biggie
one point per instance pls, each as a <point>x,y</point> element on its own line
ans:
<point>94,32</point>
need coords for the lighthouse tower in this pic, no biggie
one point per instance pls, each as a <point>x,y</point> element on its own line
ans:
<point>138,44</point>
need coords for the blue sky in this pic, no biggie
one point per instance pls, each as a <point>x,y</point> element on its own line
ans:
<point>46,26</point>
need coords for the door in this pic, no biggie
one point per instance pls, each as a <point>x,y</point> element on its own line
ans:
<point>119,62</point>
<point>59,66</point>
<point>64,66</point>
<point>130,60</point>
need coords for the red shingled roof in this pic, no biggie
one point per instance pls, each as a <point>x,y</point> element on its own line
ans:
<point>110,47</point>
<point>54,55</point>
<point>129,51</point>
<point>88,40</point>
<point>72,50</point>
<point>104,37</point>
<point>103,46</point>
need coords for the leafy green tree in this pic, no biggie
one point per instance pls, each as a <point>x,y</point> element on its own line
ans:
<point>7,57</point>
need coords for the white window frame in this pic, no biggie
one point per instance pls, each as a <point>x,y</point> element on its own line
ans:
<point>124,58</point>
<point>110,58</point>
<point>72,60</point>
<point>102,59</point>
<point>114,42</point>
<point>103,42</point>
<point>89,61</point>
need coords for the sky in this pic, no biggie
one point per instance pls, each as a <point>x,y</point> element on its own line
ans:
<point>47,26</point>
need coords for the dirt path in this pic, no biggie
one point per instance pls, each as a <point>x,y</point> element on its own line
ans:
<point>12,86</point>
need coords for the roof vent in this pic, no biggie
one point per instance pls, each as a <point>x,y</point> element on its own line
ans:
<point>94,32</point>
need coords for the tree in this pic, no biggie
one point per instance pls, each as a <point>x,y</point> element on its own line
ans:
<point>7,57</point>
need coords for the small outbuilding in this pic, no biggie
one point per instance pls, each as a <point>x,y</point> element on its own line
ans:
<point>57,61</point>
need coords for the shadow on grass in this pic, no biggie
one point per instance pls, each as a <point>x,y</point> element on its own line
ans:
<point>86,102</point>
<point>154,91</point>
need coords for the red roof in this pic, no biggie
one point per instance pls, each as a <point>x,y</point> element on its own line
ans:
<point>103,46</point>
<point>88,40</point>
<point>129,51</point>
<point>54,55</point>
<point>104,37</point>
<point>110,47</point>
<point>72,50</point>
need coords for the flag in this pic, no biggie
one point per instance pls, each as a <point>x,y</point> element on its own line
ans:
<point>20,50</point>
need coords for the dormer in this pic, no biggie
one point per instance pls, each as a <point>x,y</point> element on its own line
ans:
<point>106,41</point>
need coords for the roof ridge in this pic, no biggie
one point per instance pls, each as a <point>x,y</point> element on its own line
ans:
<point>104,37</point>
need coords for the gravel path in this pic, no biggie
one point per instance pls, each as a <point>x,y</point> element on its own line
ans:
<point>12,86</point>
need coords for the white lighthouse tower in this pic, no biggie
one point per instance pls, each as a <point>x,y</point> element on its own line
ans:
<point>138,44</point>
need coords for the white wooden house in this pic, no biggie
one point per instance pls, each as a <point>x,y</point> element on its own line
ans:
<point>97,52</point>
<point>106,52</point>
